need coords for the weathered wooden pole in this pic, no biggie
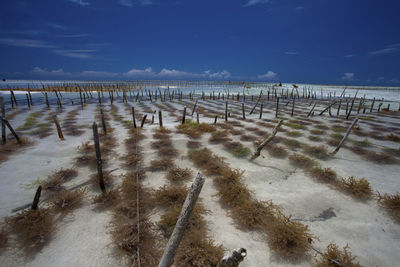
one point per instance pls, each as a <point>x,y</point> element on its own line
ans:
<point>277,107</point>
<point>328,107</point>
<point>261,110</point>
<point>351,108</point>
<point>80,96</point>
<point>194,107</point>
<point>103,122</point>
<point>11,129</point>
<point>133,117</point>
<point>338,110</point>
<point>266,141</point>
<point>3,126</point>
<point>258,100</point>
<point>372,105</point>
<point>182,222</point>
<point>160,118</point>
<point>345,136</point>
<point>30,97</point>
<point>312,109</point>
<point>184,115</point>
<point>226,111</point>
<point>13,96</point>
<point>243,112</point>
<point>36,199</point>
<point>291,114</point>
<point>215,120</point>
<point>47,100</point>
<point>99,162</point>
<point>27,101</point>
<point>197,116</point>
<point>59,131</point>
<point>143,121</point>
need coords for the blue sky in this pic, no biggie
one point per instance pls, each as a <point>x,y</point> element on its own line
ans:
<point>304,41</point>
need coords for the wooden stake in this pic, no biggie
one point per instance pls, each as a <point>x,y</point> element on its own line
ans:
<point>3,126</point>
<point>133,117</point>
<point>47,99</point>
<point>372,105</point>
<point>312,109</point>
<point>27,101</point>
<point>98,157</point>
<point>103,122</point>
<point>266,141</point>
<point>143,121</point>
<point>261,110</point>
<point>11,129</point>
<point>36,199</point>
<point>184,115</point>
<point>194,107</point>
<point>182,222</point>
<point>215,120</point>
<point>226,111</point>
<point>59,131</point>
<point>291,114</point>
<point>277,107</point>
<point>160,118</point>
<point>243,112</point>
<point>345,136</point>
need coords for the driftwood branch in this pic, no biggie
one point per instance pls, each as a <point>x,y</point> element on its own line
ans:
<point>11,129</point>
<point>266,141</point>
<point>187,208</point>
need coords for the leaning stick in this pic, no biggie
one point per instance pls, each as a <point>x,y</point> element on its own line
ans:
<point>258,100</point>
<point>3,120</point>
<point>59,131</point>
<point>183,219</point>
<point>3,126</point>
<point>328,107</point>
<point>36,198</point>
<point>312,109</point>
<point>266,141</point>
<point>345,136</point>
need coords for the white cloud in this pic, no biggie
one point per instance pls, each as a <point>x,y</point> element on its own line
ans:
<point>348,76</point>
<point>53,73</point>
<point>256,2</point>
<point>270,75</point>
<point>75,53</point>
<point>131,3</point>
<point>216,75</point>
<point>25,43</point>
<point>147,73</point>
<point>389,49</point>
<point>350,55</point>
<point>80,2</point>
<point>291,53</point>
<point>58,26</point>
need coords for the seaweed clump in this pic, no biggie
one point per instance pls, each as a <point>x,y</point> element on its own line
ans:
<point>333,257</point>
<point>360,188</point>
<point>32,228</point>
<point>391,203</point>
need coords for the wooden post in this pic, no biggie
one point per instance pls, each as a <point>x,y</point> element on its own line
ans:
<point>291,114</point>
<point>80,96</point>
<point>379,106</point>
<point>184,115</point>
<point>182,222</point>
<point>277,107</point>
<point>13,96</point>
<point>226,111</point>
<point>30,97</point>
<point>60,134</point>
<point>3,126</point>
<point>243,112</point>
<point>328,107</point>
<point>133,117</point>
<point>312,109</point>
<point>215,120</point>
<point>345,136</point>
<point>143,121</point>
<point>160,118</point>
<point>27,101</point>
<point>197,116</point>
<point>194,107</point>
<point>98,157</point>
<point>258,100</point>
<point>338,110</point>
<point>372,105</point>
<point>261,110</point>
<point>47,99</point>
<point>103,122</point>
<point>36,199</point>
<point>351,108</point>
<point>11,129</point>
<point>266,141</point>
